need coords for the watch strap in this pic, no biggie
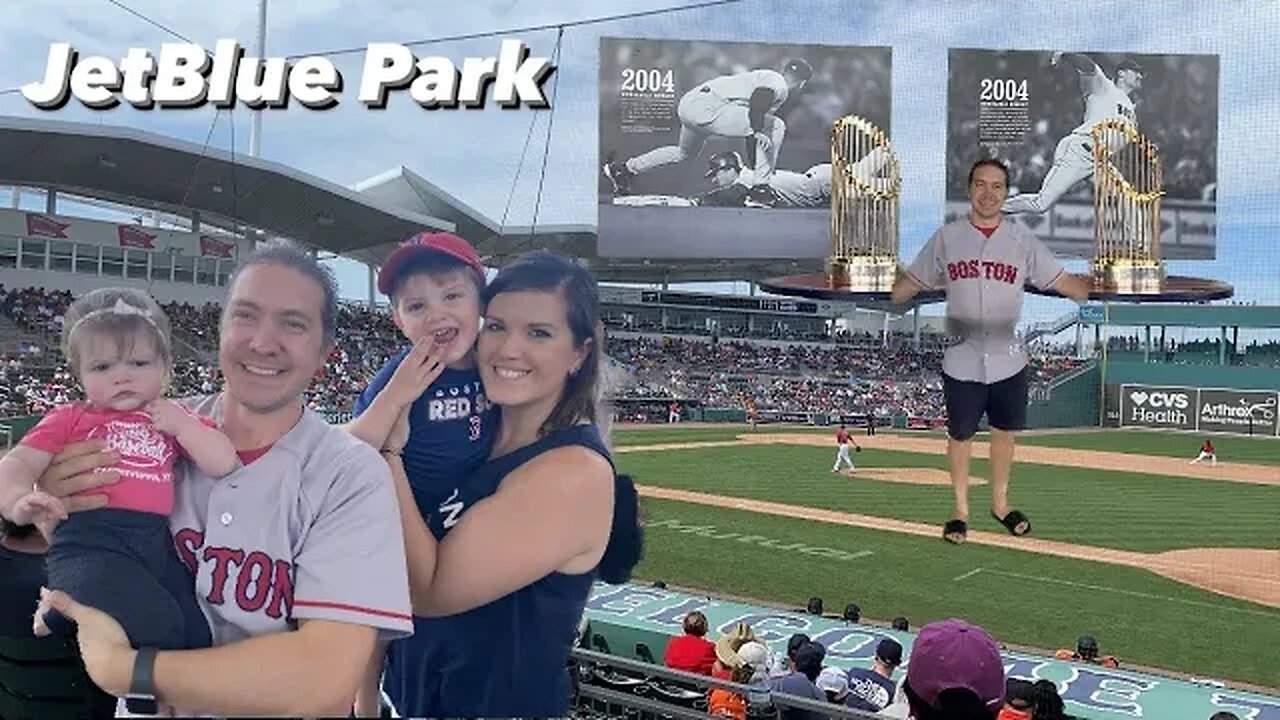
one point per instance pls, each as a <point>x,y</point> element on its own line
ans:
<point>142,684</point>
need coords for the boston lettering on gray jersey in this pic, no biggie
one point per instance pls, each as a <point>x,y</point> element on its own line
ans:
<point>310,530</point>
<point>984,279</point>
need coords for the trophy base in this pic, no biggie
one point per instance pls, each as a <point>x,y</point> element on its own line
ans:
<point>861,274</point>
<point>1129,278</point>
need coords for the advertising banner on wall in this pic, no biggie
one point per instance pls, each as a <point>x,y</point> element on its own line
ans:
<point>1250,412</point>
<point>723,149</point>
<point>1034,109</point>
<point>1153,406</point>
<point>1215,410</point>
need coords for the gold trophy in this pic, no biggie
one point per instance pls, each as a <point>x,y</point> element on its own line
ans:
<point>1128,185</point>
<point>866,185</point>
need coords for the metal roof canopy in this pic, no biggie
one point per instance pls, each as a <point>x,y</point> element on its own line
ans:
<point>244,195</point>
<point>233,192</point>
<point>1201,316</point>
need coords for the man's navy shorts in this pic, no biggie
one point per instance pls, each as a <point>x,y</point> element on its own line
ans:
<point>1004,403</point>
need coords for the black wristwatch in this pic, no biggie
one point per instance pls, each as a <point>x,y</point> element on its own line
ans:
<point>143,685</point>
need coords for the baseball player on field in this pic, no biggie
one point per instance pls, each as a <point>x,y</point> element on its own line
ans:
<point>737,186</point>
<point>1207,452</point>
<point>844,439</point>
<point>1073,157</point>
<point>743,105</point>
<point>983,262</point>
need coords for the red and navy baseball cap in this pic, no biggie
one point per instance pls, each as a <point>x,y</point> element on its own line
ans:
<point>424,243</point>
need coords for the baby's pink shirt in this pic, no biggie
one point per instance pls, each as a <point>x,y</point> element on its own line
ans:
<point>147,456</point>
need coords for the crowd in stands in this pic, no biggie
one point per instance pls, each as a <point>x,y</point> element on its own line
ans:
<point>862,376</point>
<point>946,654</point>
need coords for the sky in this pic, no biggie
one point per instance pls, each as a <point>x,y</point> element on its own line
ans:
<point>475,154</point>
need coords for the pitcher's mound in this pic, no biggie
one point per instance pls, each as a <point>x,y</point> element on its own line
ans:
<point>910,476</point>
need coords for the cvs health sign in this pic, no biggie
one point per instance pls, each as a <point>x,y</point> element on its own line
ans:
<point>1158,407</point>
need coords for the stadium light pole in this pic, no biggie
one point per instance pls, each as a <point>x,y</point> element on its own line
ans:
<point>255,131</point>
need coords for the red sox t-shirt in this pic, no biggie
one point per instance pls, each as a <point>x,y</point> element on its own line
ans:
<point>147,456</point>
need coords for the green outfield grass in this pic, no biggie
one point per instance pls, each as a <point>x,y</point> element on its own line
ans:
<point>1243,449</point>
<point>1047,601</point>
<point>1128,511</point>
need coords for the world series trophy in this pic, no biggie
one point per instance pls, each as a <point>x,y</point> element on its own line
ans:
<point>1128,186</point>
<point>866,184</point>
<point>864,207</point>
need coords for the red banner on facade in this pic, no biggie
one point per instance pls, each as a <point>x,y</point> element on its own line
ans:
<point>135,237</point>
<point>45,226</point>
<point>215,248</point>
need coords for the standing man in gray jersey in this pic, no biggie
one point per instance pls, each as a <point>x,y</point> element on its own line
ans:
<point>984,261</point>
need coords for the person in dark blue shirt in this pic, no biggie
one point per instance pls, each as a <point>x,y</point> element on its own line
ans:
<point>873,689</point>
<point>506,574</point>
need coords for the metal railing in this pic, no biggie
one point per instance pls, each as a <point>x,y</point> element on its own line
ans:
<point>649,690</point>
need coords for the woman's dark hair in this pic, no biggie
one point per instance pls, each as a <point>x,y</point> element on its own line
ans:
<point>548,272</point>
<point>953,704</point>
<point>695,623</point>
<point>626,537</point>
<point>1046,702</point>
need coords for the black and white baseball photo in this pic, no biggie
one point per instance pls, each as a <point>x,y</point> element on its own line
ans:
<point>1038,111</point>
<point>718,149</point>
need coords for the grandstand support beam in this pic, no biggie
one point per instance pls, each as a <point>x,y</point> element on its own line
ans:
<point>50,201</point>
<point>16,198</point>
<point>915,325</point>
<point>1222,347</point>
<point>255,130</point>
<point>373,286</point>
<point>195,221</point>
<point>1146,345</point>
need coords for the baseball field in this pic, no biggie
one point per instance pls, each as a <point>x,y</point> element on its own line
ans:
<point>1170,565</point>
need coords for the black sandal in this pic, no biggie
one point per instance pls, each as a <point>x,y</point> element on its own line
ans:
<point>1012,521</point>
<point>955,527</point>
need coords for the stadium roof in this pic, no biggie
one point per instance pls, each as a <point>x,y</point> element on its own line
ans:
<point>146,170</point>
<point>244,194</point>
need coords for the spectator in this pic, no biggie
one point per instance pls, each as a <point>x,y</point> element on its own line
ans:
<point>1087,652</point>
<point>1018,703</point>
<point>750,667</point>
<point>835,684</point>
<point>802,681</point>
<point>794,643</point>
<point>692,652</point>
<point>1046,703</point>
<point>955,673</point>
<point>873,689</point>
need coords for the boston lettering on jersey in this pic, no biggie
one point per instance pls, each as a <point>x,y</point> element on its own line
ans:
<point>253,580</point>
<point>976,269</point>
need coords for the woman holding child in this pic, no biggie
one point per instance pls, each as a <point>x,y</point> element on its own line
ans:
<point>506,515</point>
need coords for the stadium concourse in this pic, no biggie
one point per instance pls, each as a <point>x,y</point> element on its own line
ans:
<point>851,375</point>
